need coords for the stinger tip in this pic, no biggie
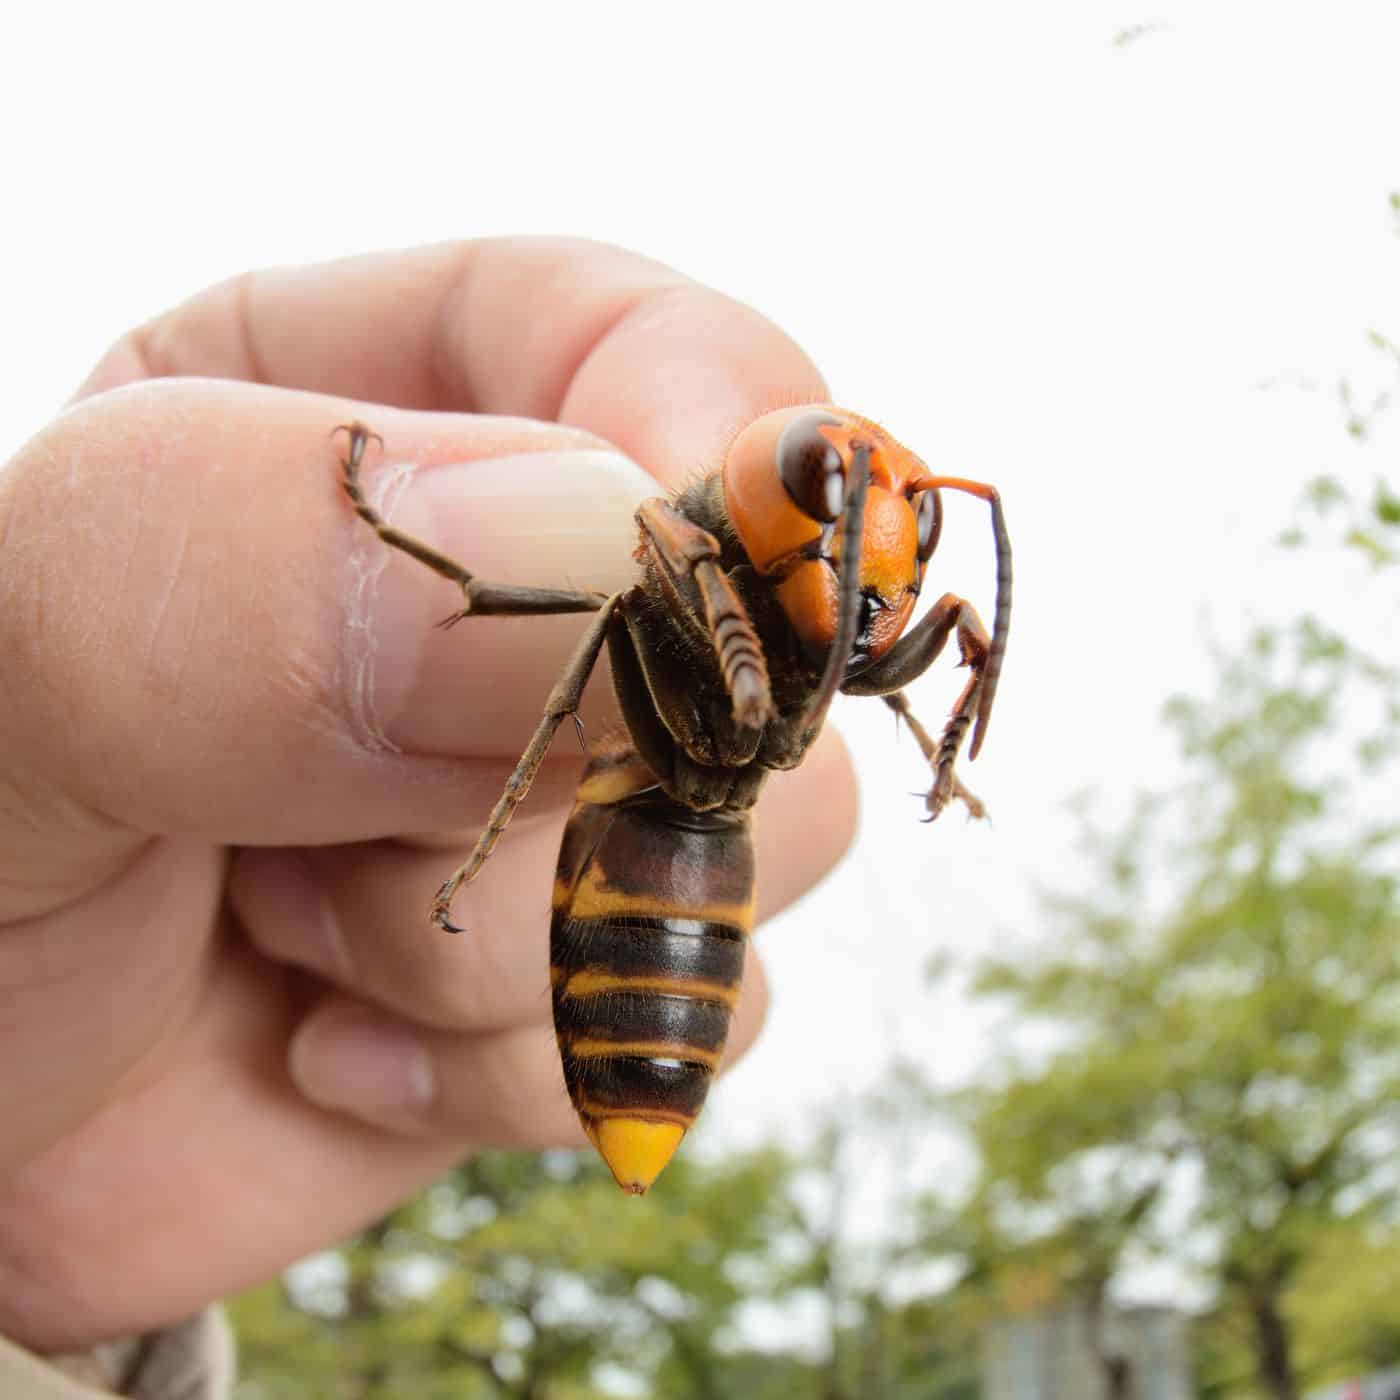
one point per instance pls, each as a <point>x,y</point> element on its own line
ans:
<point>635,1150</point>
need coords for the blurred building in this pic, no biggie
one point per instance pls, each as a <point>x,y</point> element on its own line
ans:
<point>1379,1385</point>
<point>1049,1355</point>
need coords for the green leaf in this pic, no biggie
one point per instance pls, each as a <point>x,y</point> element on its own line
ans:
<point>1386,504</point>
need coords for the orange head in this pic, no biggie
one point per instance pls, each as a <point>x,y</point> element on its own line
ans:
<point>784,489</point>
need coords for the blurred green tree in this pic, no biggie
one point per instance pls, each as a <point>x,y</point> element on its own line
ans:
<point>878,1263</point>
<point>1217,1078</point>
<point>1342,1304</point>
<point>525,1275</point>
<point>528,1275</point>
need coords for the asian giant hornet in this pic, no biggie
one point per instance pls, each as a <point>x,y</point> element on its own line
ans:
<point>767,586</point>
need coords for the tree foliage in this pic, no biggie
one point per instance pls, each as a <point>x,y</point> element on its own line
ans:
<point>1224,1000</point>
<point>531,1276</point>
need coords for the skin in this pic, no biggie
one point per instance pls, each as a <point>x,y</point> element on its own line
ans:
<point>238,759</point>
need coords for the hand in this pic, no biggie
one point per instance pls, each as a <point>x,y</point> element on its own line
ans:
<point>229,1035</point>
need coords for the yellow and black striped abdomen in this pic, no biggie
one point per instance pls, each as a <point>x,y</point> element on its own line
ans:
<point>653,904</point>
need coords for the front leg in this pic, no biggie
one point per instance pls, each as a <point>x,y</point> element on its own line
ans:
<point>909,659</point>
<point>946,783</point>
<point>686,558</point>
<point>482,599</point>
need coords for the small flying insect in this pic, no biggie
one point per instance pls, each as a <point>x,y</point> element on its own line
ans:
<point>767,586</point>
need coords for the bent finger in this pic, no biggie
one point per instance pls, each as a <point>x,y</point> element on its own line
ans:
<point>357,916</point>
<point>381,1070</point>
<point>548,328</point>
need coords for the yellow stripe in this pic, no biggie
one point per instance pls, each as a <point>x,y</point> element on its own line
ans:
<point>611,785</point>
<point>593,898</point>
<point>590,983</point>
<point>642,1049</point>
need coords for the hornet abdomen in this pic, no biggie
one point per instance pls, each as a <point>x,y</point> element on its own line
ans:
<point>653,905</point>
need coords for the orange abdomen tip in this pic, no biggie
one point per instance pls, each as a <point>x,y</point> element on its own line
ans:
<point>636,1151</point>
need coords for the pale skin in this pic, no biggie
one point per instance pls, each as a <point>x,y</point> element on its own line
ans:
<point>237,759</point>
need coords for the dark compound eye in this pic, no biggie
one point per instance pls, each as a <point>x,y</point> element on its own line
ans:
<point>929,519</point>
<point>811,467</point>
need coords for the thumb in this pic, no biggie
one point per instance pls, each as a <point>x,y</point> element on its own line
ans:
<point>186,645</point>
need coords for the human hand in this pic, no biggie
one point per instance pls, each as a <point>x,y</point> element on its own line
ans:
<point>229,1035</point>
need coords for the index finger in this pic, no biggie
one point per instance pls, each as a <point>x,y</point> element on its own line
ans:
<point>553,328</point>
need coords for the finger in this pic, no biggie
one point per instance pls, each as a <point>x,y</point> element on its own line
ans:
<point>498,1089</point>
<point>503,1088</point>
<point>198,637</point>
<point>80,1008</point>
<point>357,916</point>
<point>211,1144</point>
<point>545,328</point>
<point>264,1154</point>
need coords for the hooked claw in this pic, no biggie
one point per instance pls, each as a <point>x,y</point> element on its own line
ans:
<point>442,908</point>
<point>359,437</point>
<point>946,787</point>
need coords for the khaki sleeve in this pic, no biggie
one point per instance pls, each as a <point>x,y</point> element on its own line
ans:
<point>192,1360</point>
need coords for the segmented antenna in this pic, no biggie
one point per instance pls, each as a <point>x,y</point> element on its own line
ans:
<point>847,589</point>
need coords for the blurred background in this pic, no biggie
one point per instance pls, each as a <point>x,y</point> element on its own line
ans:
<point>1098,1098</point>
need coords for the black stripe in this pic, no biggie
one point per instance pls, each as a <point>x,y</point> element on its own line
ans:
<point>657,847</point>
<point>585,829</point>
<point>623,1017</point>
<point>641,925</point>
<point>637,1085</point>
<point>691,949</point>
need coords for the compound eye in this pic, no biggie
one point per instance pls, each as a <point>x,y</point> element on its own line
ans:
<point>929,521</point>
<point>811,467</point>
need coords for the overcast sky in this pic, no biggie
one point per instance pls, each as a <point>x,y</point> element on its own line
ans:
<point>1110,256</point>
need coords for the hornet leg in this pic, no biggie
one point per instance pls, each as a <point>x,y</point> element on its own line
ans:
<point>488,599</point>
<point>910,658</point>
<point>563,701</point>
<point>949,786</point>
<point>684,554</point>
<point>482,599</point>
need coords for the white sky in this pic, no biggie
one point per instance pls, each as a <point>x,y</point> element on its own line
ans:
<point>1041,259</point>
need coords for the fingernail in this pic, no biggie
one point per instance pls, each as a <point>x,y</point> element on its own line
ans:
<point>367,1065</point>
<point>541,519</point>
